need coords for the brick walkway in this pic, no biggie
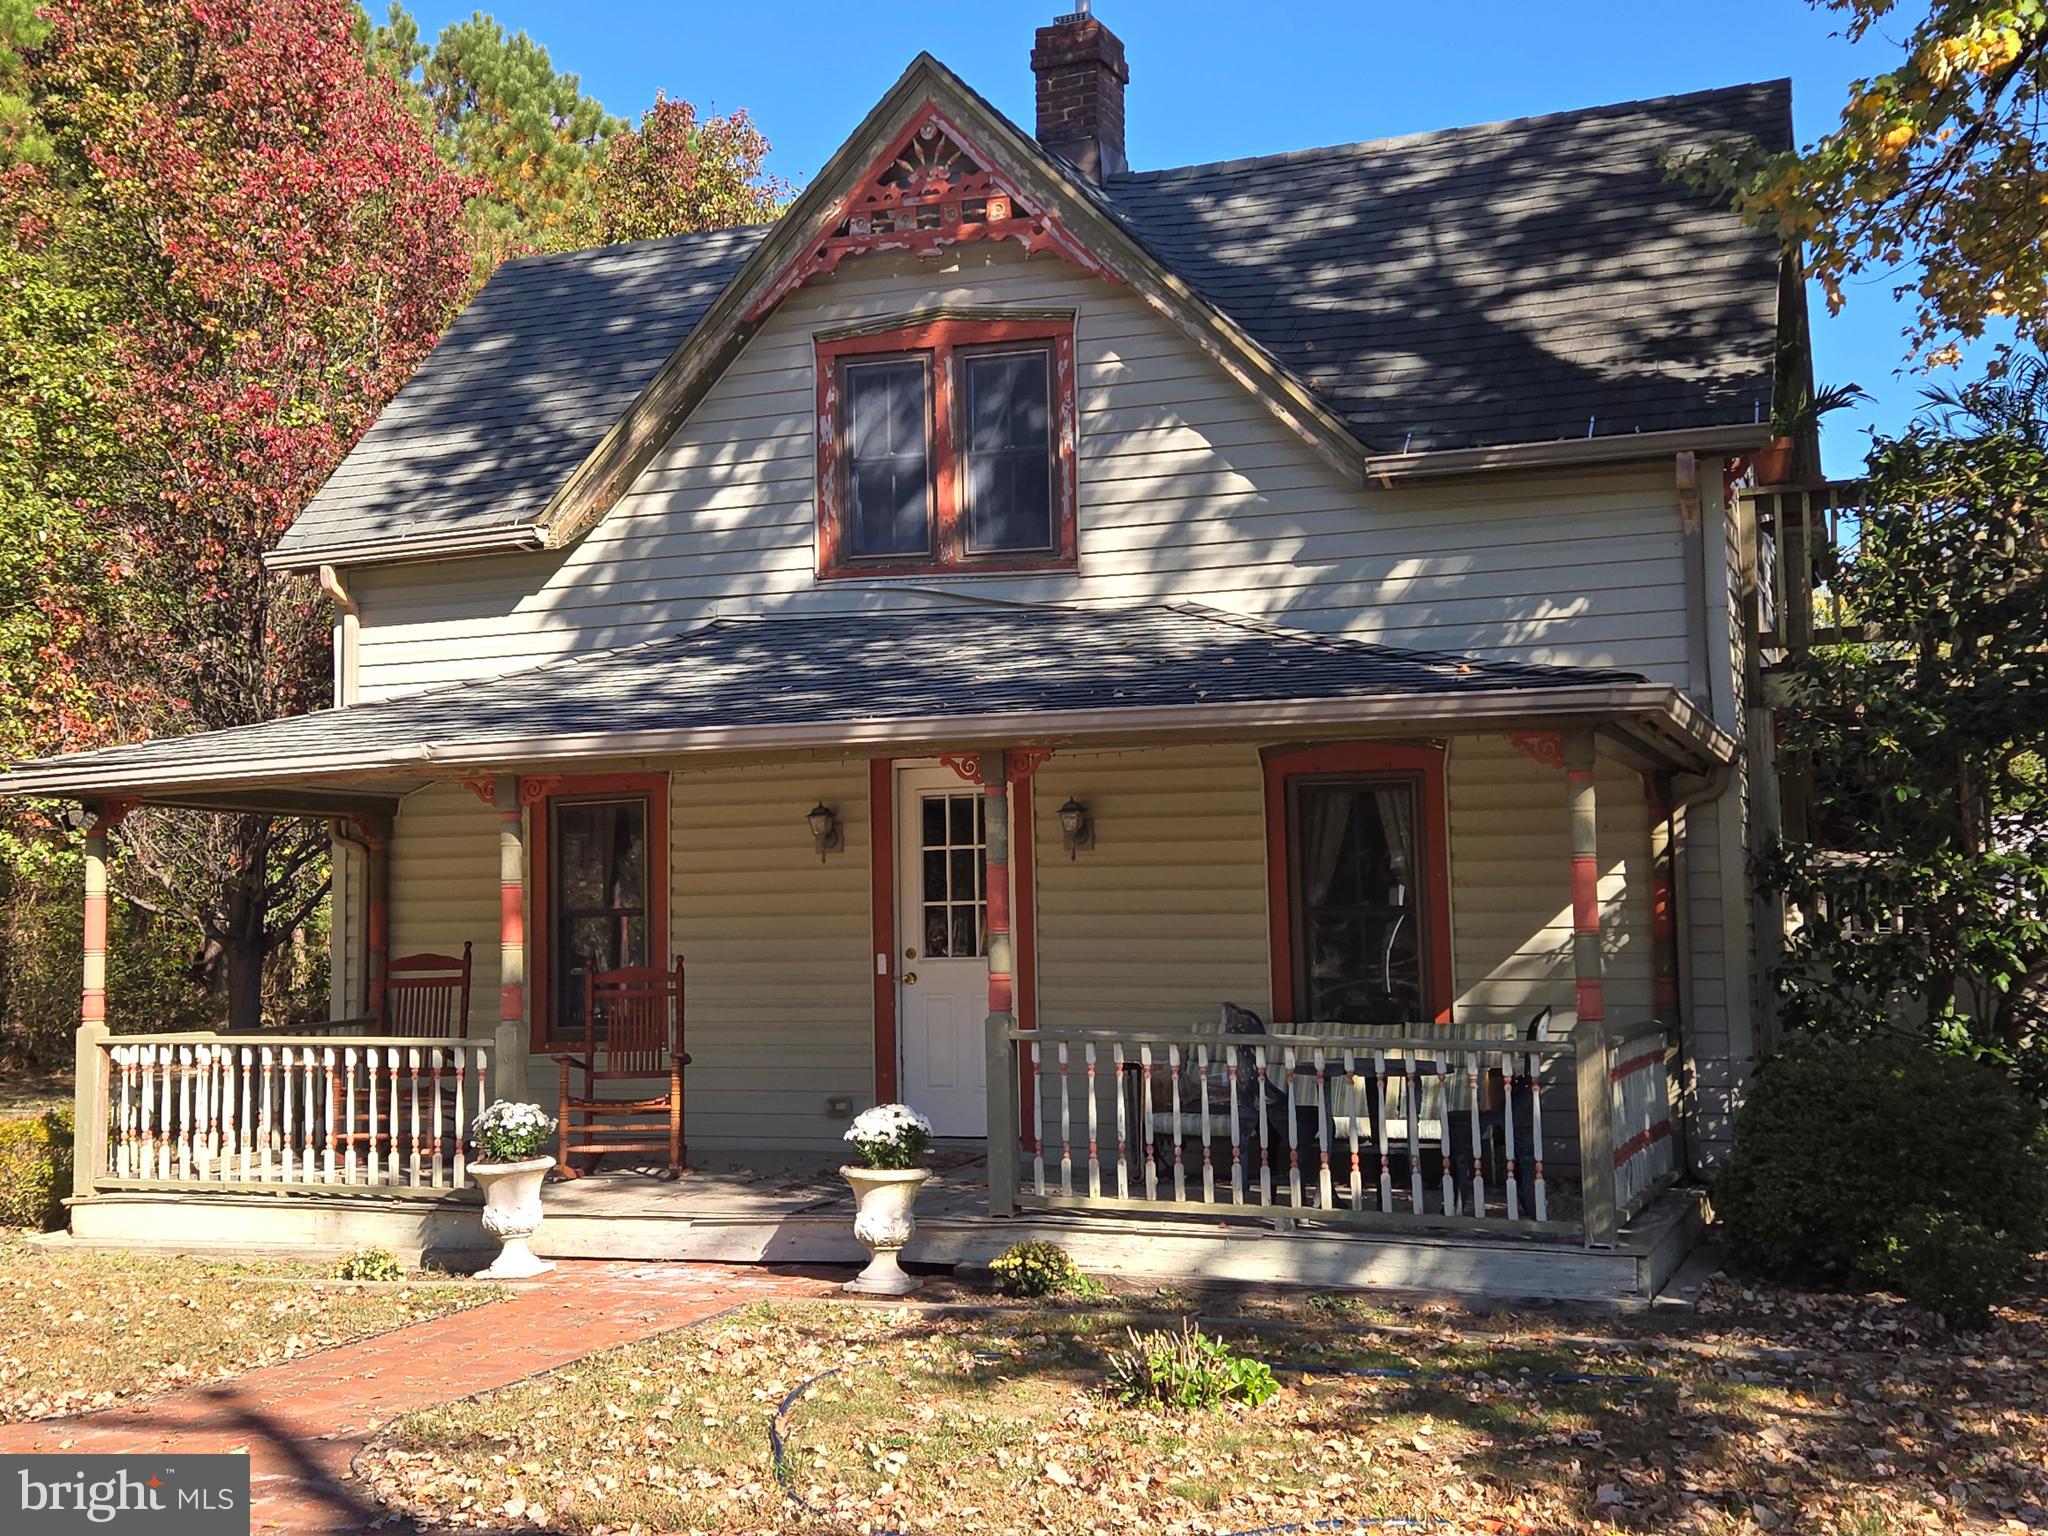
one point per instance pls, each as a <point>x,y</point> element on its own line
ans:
<point>303,1422</point>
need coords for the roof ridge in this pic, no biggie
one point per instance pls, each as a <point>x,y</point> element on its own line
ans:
<point>1389,141</point>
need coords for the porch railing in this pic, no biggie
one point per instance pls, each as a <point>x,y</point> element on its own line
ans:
<point>370,1113</point>
<point>1640,1082</point>
<point>1799,530</point>
<point>1348,1128</point>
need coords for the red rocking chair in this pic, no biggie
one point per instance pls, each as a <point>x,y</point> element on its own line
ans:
<point>641,1010</point>
<point>427,995</point>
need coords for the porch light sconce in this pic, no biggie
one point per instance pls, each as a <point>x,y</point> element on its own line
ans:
<point>1077,831</point>
<point>825,834</point>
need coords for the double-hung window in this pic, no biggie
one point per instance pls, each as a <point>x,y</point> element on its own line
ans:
<point>946,446</point>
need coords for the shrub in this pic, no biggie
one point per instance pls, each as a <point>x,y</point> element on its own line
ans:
<point>1043,1269</point>
<point>512,1133</point>
<point>1888,1163</point>
<point>370,1264</point>
<point>1948,1264</point>
<point>35,1169</point>
<point>1187,1369</point>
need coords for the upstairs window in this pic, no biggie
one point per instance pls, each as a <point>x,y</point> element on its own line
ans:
<point>946,447</point>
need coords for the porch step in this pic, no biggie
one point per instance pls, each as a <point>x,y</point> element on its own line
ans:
<point>448,1232</point>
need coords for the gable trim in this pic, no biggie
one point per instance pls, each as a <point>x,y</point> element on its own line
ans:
<point>738,313</point>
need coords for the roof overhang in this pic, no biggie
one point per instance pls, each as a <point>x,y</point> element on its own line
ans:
<point>1652,719</point>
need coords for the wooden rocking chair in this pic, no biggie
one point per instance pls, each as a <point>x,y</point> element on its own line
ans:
<point>641,1009</point>
<point>427,995</point>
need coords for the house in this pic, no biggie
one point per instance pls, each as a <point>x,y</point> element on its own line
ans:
<point>991,619</point>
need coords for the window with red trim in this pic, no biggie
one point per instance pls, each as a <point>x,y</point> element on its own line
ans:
<point>1359,891</point>
<point>599,857</point>
<point>946,446</point>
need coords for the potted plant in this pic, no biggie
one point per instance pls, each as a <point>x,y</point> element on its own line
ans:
<point>510,1166</point>
<point>890,1140</point>
<point>1792,421</point>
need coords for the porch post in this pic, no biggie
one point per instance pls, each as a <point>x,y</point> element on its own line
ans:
<point>1002,1054</point>
<point>377,839</point>
<point>1589,1032</point>
<point>509,1070</point>
<point>89,1099</point>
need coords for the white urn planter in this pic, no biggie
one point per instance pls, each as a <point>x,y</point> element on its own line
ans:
<point>883,1222</point>
<point>511,1212</point>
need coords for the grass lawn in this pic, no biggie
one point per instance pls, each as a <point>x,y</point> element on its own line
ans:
<point>998,1421</point>
<point>81,1329</point>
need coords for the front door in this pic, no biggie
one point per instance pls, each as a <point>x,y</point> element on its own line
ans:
<point>942,966</point>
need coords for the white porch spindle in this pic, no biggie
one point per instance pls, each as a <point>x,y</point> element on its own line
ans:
<point>1356,1084</point>
<point>412,1068</point>
<point>1537,1193</point>
<point>1443,1135</point>
<point>1380,1131</point>
<point>1236,1131</point>
<point>185,1112</point>
<point>1326,1195</point>
<point>327,1168</point>
<point>1145,1120</point>
<point>1511,1186</point>
<point>1180,1177</point>
<point>1208,1139</point>
<point>1123,1156</point>
<point>394,1062</point>
<point>1094,1138</point>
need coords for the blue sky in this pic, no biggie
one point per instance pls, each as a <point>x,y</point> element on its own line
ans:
<point>1211,81</point>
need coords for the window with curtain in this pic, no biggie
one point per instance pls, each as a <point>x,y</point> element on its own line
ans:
<point>1357,873</point>
<point>597,898</point>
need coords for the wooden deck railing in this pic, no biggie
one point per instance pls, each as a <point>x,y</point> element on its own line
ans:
<point>1799,530</point>
<point>1423,1128</point>
<point>375,1114</point>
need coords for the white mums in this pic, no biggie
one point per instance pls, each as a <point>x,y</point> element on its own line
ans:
<point>890,1136</point>
<point>511,1133</point>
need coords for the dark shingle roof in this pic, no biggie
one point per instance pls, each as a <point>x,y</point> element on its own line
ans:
<point>1530,281</point>
<point>838,671</point>
<point>520,389</point>
<point>1520,282</point>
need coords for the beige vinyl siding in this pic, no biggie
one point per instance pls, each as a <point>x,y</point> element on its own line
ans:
<point>1164,918</point>
<point>444,888</point>
<point>1511,887</point>
<point>777,950</point>
<point>1190,489</point>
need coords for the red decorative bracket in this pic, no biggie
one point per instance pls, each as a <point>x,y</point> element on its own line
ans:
<point>109,814</point>
<point>1021,762</point>
<point>533,791</point>
<point>932,190</point>
<point>485,789</point>
<point>1544,747</point>
<point>373,830</point>
<point>966,764</point>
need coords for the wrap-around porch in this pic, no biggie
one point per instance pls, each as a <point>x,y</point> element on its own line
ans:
<point>1446,924</point>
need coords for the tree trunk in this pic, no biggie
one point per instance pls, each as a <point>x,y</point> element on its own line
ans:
<point>243,943</point>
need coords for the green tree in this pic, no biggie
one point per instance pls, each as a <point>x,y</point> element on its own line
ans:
<point>502,113</point>
<point>1938,171</point>
<point>1924,893</point>
<point>21,28</point>
<point>676,174</point>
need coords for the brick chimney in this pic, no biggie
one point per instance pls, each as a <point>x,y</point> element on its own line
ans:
<point>1081,78</point>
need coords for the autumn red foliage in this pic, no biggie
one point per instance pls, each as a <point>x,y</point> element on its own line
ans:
<point>278,244</point>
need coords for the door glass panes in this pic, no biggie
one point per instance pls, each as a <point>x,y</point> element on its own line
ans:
<point>598,902</point>
<point>1357,877</point>
<point>953,853</point>
<point>1008,450</point>
<point>888,460</point>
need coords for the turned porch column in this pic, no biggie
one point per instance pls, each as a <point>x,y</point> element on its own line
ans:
<point>508,1077</point>
<point>376,832</point>
<point>1589,966</point>
<point>89,1099</point>
<point>1002,1054</point>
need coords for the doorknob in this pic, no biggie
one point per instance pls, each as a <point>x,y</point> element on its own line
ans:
<point>910,978</point>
